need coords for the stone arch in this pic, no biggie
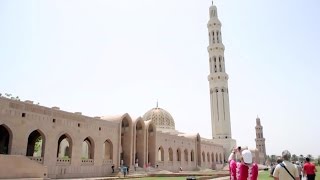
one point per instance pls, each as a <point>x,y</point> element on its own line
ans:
<point>192,155</point>
<point>36,144</point>
<point>203,157</point>
<point>126,140</point>
<point>64,149</point>
<point>178,154</point>
<point>220,157</point>
<point>186,155</point>
<point>5,139</point>
<point>198,149</point>
<point>87,148</point>
<point>170,152</point>
<point>160,154</point>
<point>212,157</point>
<point>208,157</point>
<point>217,159</point>
<point>139,156</point>
<point>151,136</point>
<point>108,150</point>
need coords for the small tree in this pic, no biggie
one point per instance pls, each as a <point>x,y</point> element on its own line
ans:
<point>273,159</point>
<point>294,158</point>
<point>38,146</point>
<point>310,157</point>
<point>301,158</point>
<point>318,160</point>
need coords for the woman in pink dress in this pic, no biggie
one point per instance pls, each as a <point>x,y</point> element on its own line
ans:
<point>245,169</point>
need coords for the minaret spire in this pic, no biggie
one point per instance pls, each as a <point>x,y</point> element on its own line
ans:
<point>260,141</point>
<point>218,80</point>
<point>218,84</point>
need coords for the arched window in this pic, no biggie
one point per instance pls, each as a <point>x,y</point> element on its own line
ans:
<point>220,158</point>
<point>203,157</point>
<point>210,65</point>
<point>217,159</point>
<point>212,157</point>
<point>213,40</point>
<point>87,149</point>
<point>36,143</point>
<point>186,155</point>
<point>178,154</point>
<point>5,139</point>
<point>160,154</point>
<point>208,157</point>
<point>220,68</point>
<point>192,155</point>
<point>218,40</point>
<point>170,154</point>
<point>215,64</point>
<point>107,150</point>
<point>64,147</point>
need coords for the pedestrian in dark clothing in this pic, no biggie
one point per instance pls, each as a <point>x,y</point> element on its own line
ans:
<point>112,167</point>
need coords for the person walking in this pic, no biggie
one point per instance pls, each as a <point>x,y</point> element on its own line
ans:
<point>112,167</point>
<point>299,167</point>
<point>309,170</point>
<point>279,160</point>
<point>286,170</point>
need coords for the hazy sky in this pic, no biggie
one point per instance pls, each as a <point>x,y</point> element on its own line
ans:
<point>115,56</point>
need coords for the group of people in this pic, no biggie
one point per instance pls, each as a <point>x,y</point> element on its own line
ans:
<point>242,167</point>
<point>284,169</point>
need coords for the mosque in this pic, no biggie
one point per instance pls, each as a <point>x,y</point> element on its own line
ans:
<point>47,142</point>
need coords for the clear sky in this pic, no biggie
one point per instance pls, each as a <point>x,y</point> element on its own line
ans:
<point>115,56</point>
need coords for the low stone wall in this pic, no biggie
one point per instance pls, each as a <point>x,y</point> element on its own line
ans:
<point>17,166</point>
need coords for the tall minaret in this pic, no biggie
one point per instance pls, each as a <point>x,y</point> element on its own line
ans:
<point>260,141</point>
<point>218,80</point>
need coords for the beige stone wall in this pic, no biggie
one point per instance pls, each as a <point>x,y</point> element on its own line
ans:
<point>17,166</point>
<point>23,122</point>
<point>184,145</point>
<point>212,155</point>
<point>181,152</point>
<point>21,119</point>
